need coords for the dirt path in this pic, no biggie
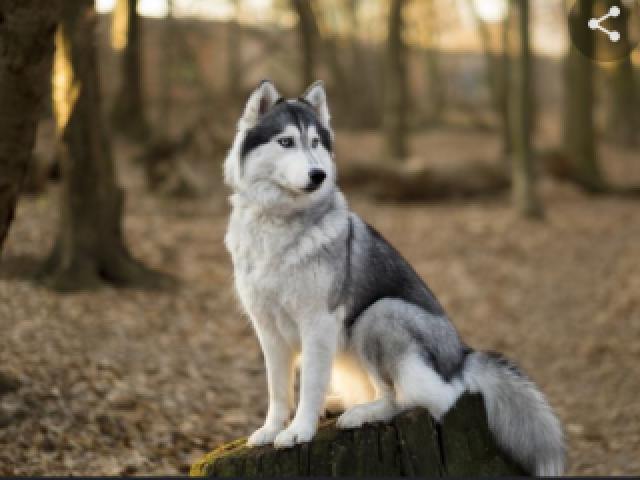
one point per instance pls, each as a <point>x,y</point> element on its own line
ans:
<point>130,382</point>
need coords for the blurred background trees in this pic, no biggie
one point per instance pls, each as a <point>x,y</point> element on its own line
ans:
<point>309,36</point>
<point>525,199</point>
<point>89,249</point>
<point>129,110</point>
<point>579,109</point>
<point>396,87</point>
<point>174,75</point>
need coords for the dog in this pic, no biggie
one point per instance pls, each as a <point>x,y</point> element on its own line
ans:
<point>325,289</point>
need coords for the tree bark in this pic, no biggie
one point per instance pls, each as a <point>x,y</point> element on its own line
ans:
<point>89,249</point>
<point>625,109</point>
<point>623,112</point>
<point>330,47</point>
<point>396,85</point>
<point>579,104</point>
<point>432,57</point>
<point>308,36</point>
<point>505,81</point>
<point>26,52</point>
<point>352,66</point>
<point>363,92</point>
<point>234,54</point>
<point>525,199</point>
<point>166,77</point>
<point>411,445</point>
<point>128,115</point>
<point>491,67</point>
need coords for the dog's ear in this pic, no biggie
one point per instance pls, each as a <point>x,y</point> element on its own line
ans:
<point>316,96</point>
<point>259,103</point>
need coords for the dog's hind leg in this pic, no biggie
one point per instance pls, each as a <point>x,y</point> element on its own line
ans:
<point>410,349</point>
<point>419,385</point>
<point>382,409</point>
<point>350,384</point>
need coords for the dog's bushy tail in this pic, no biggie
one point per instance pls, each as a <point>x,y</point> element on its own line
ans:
<point>519,415</point>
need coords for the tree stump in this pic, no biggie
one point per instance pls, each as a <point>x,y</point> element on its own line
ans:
<point>411,445</point>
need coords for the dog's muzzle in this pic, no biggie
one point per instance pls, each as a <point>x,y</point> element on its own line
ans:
<point>316,177</point>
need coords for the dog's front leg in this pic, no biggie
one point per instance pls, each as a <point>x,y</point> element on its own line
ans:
<point>279,360</point>
<point>319,342</point>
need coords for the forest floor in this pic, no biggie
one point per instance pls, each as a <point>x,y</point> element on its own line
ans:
<point>136,382</point>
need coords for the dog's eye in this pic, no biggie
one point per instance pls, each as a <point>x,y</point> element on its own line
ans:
<point>286,142</point>
<point>314,143</point>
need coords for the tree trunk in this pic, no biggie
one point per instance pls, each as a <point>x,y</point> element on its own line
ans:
<point>166,73</point>
<point>396,85</point>
<point>624,119</point>
<point>491,68</point>
<point>26,48</point>
<point>411,445</point>
<point>326,17</point>
<point>234,54</point>
<point>525,199</point>
<point>364,65</point>
<point>505,81</point>
<point>625,111</point>
<point>308,35</point>
<point>432,57</point>
<point>89,249</point>
<point>128,115</point>
<point>579,103</point>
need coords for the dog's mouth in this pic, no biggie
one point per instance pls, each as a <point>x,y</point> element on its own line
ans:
<point>293,192</point>
<point>296,193</point>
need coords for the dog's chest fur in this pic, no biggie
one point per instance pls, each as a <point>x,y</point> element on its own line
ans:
<point>282,266</point>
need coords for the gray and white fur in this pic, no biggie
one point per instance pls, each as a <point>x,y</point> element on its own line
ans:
<point>324,289</point>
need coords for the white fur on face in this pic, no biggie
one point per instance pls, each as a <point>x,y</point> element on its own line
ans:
<point>275,176</point>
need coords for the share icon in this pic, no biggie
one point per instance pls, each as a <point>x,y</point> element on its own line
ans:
<point>594,24</point>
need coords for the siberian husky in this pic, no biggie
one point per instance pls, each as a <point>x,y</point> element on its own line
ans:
<point>324,288</point>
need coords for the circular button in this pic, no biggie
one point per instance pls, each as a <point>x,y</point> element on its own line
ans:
<point>605,30</point>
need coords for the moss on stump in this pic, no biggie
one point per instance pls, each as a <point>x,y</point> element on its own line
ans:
<point>411,445</point>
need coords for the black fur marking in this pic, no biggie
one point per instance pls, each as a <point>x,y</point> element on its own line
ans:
<point>347,275</point>
<point>448,365</point>
<point>502,361</point>
<point>339,288</point>
<point>374,351</point>
<point>378,271</point>
<point>394,278</point>
<point>274,122</point>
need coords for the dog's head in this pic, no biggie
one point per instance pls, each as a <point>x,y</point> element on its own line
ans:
<point>281,157</point>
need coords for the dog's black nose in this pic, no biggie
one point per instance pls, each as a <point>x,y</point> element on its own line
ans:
<point>317,177</point>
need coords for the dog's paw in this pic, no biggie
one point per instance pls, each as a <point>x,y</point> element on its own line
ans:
<point>353,418</point>
<point>292,436</point>
<point>263,436</point>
